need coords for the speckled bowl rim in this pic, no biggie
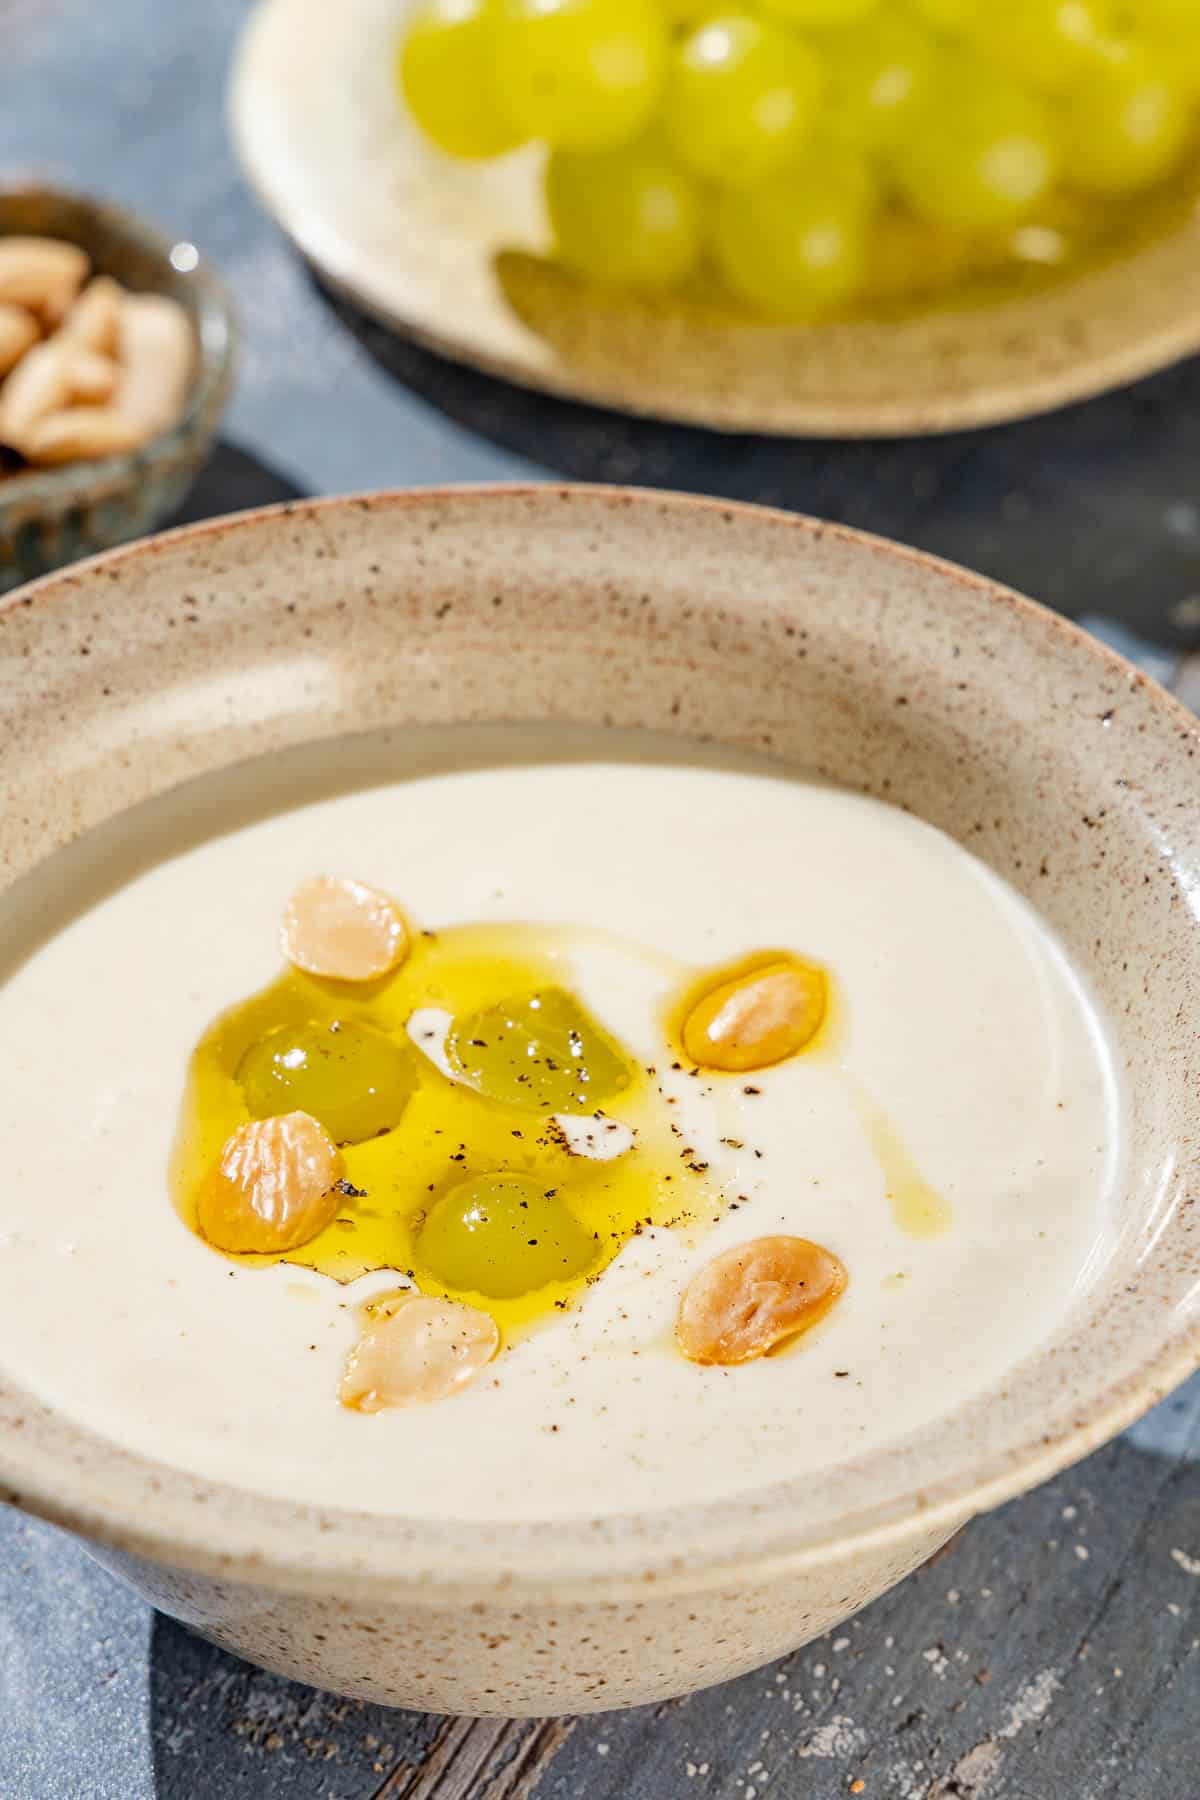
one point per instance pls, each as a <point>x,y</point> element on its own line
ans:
<point>211,312</point>
<point>154,1511</point>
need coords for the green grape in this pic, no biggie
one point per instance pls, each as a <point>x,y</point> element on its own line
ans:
<point>353,1080</point>
<point>1151,15</point>
<point>503,1235</point>
<point>543,1051</point>
<point>980,154</point>
<point>741,97</point>
<point>1180,52</point>
<point>796,243</point>
<point>821,13</point>
<point>952,16</point>
<point>581,74</point>
<point>879,76</point>
<point>1125,128</point>
<point>1169,30</point>
<point>444,69</point>
<point>1044,43</point>
<point>629,217</point>
<point>689,12</point>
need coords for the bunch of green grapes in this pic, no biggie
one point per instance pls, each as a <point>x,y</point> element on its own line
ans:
<point>797,148</point>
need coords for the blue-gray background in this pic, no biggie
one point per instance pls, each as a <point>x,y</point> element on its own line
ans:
<point>1054,1650</point>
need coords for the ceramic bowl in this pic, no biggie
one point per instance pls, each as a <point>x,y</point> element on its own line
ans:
<point>454,256</point>
<point>51,516</point>
<point>1057,763</point>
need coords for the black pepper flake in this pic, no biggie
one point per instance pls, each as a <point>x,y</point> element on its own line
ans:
<point>733,1143</point>
<point>841,1373</point>
<point>751,1090</point>
<point>517,1133</point>
<point>348,1188</point>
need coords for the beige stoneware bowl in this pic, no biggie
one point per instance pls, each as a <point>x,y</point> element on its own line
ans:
<point>1067,771</point>
<point>454,255</point>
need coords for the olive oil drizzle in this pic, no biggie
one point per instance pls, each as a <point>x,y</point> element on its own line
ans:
<point>454,1136</point>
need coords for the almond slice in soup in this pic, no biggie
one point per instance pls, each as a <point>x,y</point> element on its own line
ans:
<point>756,1017</point>
<point>274,1187</point>
<point>343,930</point>
<point>751,1297</point>
<point>420,1350</point>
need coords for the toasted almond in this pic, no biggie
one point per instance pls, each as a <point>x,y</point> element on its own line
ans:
<point>93,376</point>
<point>18,333</point>
<point>39,384</point>
<point>744,1301</point>
<point>156,351</point>
<point>420,1350</point>
<point>757,1017</point>
<point>273,1188</point>
<point>44,274</point>
<point>343,929</point>
<point>73,433</point>
<point>94,320</point>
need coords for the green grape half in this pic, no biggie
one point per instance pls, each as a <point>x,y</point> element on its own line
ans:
<point>822,13</point>
<point>628,217</point>
<point>741,98</point>
<point>352,1080</point>
<point>1125,128</point>
<point>981,154</point>
<point>879,76</point>
<point>541,1051</point>
<point>580,74</point>
<point>1045,43</point>
<point>796,244</point>
<point>445,65</point>
<point>503,1235</point>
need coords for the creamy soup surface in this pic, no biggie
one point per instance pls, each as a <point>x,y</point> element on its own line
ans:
<point>964,1048</point>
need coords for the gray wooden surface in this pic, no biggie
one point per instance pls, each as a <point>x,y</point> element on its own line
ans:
<point>1052,1652</point>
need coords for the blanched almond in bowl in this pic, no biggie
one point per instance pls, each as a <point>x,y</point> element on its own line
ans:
<point>92,376</point>
<point>421,1350</point>
<point>156,349</point>
<point>343,930</point>
<point>72,432</point>
<point>93,321</point>
<point>44,274</point>
<point>40,384</point>
<point>753,1296</point>
<point>273,1188</point>
<point>18,333</point>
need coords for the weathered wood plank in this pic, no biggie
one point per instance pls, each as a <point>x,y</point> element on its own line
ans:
<point>481,1759</point>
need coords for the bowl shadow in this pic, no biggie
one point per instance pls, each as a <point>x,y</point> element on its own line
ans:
<point>1068,507</point>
